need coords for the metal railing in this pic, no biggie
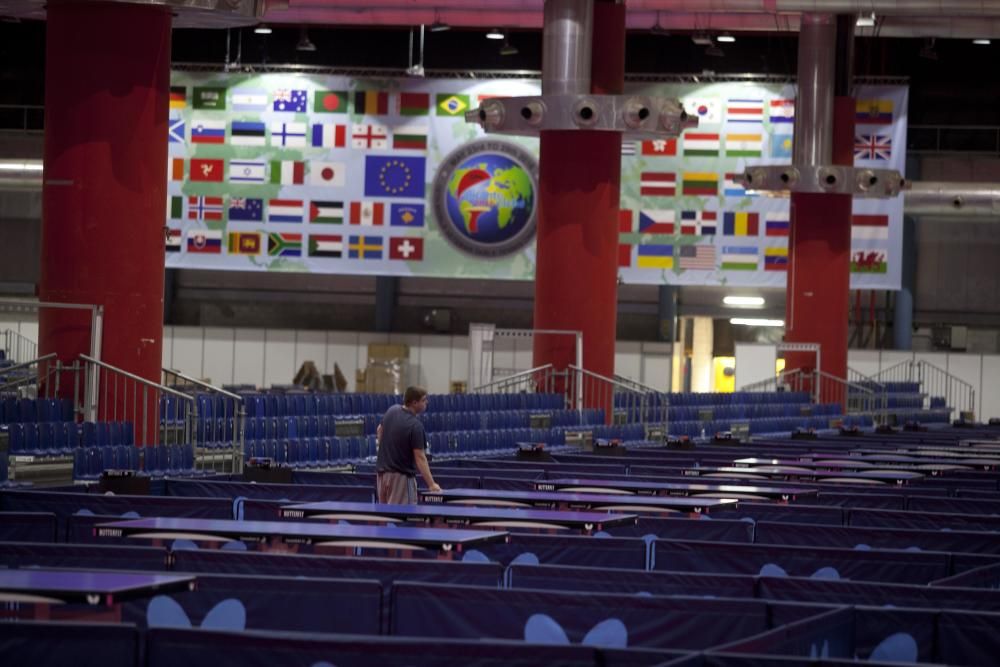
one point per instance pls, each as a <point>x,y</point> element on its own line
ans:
<point>622,402</point>
<point>783,381</point>
<point>37,378</point>
<point>932,382</point>
<point>534,380</point>
<point>159,415</point>
<point>220,426</point>
<point>17,348</point>
<point>823,387</point>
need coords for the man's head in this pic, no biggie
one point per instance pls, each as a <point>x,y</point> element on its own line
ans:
<point>415,399</point>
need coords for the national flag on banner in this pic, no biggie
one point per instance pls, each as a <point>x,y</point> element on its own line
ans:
<point>288,172</point>
<point>289,100</point>
<point>872,147</point>
<point>414,104</point>
<point>739,258</point>
<point>283,244</point>
<point>697,257</point>
<point>367,213</point>
<point>178,97</point>
<point>329,135</point>
<point>204,208</point>
<point>410,137</point>
<point>698,223</point>
<point>391,176</point>
<point>870,227</point>
<point>660,147</point>
<point>781,145</point>
<point>452,105</point>
<point>208,131</point>
<point>701,144</point>
<point>371,103</point>
<point>244,243</point>
<point>207,170</point>
<point>174,240</point>
<point>364,247</point>
<point>656,222</point>
<point>209,98</point>
<point>732,186</point>
<point>331,212</point>
<point>740,223</point>
<point>707,111</point>
<point>328,174</point>
<point>176,168</point>
<point>285,210</point>
<point>204,241</point>
<point>658,184</point>
<point>700,183</point>
<point>777,224</point>
<point>406,248</point>
<point>744,145</point>
<point>868,261</point>
<point>406,215</point>
<point>745,110</point>
<point>248,133</point>
<point>369,136</point>
<point>175,131</point>
<point>873,112</point>
<point>782,112</point>
<point>243,209</point>
<point>624,221</point>
<point>776,259</point>
<point>326,245</point>
<point>288,134</point>
<point>330,101</point>
<point>628,148</point>
<point>247,171</point>
<point>655,256</point>
<point>249,99</point>
<point>624,255</point>
<point>176,208</point>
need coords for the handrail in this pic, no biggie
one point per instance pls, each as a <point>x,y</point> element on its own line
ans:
<point>17,347</point>
<point>140,380</point>
<point>25,364</point>
<point>604,378</point>
<point>512,378</point>
<point>203,385</point>
<point>861,377</point>
<point>636,385</point>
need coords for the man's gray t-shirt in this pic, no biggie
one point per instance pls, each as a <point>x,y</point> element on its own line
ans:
<point>402,432</point>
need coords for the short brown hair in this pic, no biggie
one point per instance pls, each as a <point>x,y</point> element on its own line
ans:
<point>414,394</point>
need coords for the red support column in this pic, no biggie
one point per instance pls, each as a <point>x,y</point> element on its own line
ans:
<point>107,78</point>
<point>576,274</point>
<point>819,263</point>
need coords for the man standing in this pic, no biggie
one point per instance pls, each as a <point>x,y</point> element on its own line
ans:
<point>401,451</point>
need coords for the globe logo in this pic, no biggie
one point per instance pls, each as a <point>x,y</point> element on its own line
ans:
<point>484,197</point>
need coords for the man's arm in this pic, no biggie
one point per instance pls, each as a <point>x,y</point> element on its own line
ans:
<point>420,459</point>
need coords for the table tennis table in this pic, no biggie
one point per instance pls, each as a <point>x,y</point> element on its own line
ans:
<point>579,501</point>
<point>698,490</point>
<point>898,477</point>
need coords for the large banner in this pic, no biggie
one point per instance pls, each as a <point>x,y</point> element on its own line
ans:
<point>328,174</point>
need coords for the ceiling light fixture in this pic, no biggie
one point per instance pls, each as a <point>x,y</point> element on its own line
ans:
<point>701,39</point>
<point>508,49</point>
<point>733,300</point>
<point>725,38</point>
<point>263,29</point>
<point>496,33</point>
<point>657,29</point>
<point>437,26</point>
<point>866,21</point>
<point>981,42</point>
<point>305,44</point>
<point>714,51</point>
<point>757,322</point>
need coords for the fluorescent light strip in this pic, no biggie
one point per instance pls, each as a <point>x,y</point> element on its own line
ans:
<point>21,166</point>
<point>757,322</point>
<point>743,300</point>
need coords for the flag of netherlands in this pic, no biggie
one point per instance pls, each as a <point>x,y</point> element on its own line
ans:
<point>204,208</point>
<point>412,136</point>
<point>328,135</point>
<point>740,223</point>
<point>288,134</point>
<point>872,147</point>
<point>698,223</point>
<point>656,222</point>
<point>661,147</point>
<point>208,131</point>
<point>326,212</point>
<point>777,224</point>
<point>745,111</point>
<point>369,136</point>
<point>284,210</point>
<point>406,248</point>
<point>782,112</point>
<point>288,172</point>
<point>655,256</point>
<point>658,184</point>
<point>697,257</point>
<point>776,259</point>
<point>870,227</point>
<point>247,171</point>
<point>326,245</point>
<point>367,213</point>
<point>744,145</point>
<point>739,258</point>
<point>249,99</point>
<point>204,241</point>
<point>701,144</point>
<point>248,133</point>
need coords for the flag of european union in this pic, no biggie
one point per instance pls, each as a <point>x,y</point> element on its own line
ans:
<point>391,176</point>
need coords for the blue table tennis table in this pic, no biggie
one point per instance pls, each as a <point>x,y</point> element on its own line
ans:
<point>449,515</point>
<point>850,465</point>
<point>898,477</point>
<point>288,535</point>
<point>579,501</point>
<point>642,488</point>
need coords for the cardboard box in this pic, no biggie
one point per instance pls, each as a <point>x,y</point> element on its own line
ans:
<point>383,351</point>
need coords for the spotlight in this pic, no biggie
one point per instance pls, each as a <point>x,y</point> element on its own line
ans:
<point>496,33</point>
<point>981,42</point>
<point>438,26</point>
<point>866,21</point>
<point>726,38</point>
<point>508,49</point>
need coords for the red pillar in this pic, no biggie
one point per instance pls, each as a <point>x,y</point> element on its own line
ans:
<point>107,76</point>
<point>819,264</point>
<point>576,274</point>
